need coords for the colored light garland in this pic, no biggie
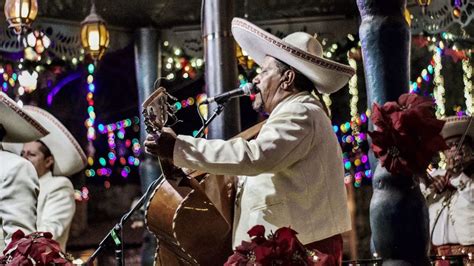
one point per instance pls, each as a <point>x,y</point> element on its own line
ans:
<point>439,90</point>
<point>9,77</point>
<point>178,65</point>
<point>115,153</point>
<point>90,121</point>
<point>81,195</point>
<point>356,162</point>
<point>425,75</point>
<point>467,78</point>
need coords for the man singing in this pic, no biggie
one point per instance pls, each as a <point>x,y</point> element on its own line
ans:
<point>292,173</point>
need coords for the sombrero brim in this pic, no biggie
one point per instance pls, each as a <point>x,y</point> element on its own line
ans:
<point>19,126</point>
<point>327,75</point>
<point>69,158</point>
<point>455,126</point>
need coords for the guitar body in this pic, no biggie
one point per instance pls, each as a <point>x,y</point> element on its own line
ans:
<point>192,227</point>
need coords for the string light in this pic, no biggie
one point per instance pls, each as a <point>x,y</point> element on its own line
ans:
<point>467,78</point>
<point>355,161</point>
<point>439,90</point>
<point>90,121</point>
<point>353,90</point>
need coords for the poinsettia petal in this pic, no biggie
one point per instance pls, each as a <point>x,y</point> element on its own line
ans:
<point>236,259</point>
<point>257,231</point>
<point>378,117</point>
<point>17,235</point>
<point>380,139</point>
<point>47,257</point>
<point>390,107</point>
<point>262,253</point>
<point>20,260</point>
<point>24,246</point>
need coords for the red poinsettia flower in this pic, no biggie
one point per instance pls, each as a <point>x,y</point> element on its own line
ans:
<point>285,239</point>
<point>38,247</point>
<point>280,248</point>
<point>407,135</point>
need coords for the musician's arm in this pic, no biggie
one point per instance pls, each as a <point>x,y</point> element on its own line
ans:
<point>285,138</point>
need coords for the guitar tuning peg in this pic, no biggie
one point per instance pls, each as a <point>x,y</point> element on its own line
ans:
<point>171,97</point>
<point>172,109</point>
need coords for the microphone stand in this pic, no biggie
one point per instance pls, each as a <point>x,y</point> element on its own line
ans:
<point>115,234</point>
<point>220,107</point>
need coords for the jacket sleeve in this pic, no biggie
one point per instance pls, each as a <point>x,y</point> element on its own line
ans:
<point>59,208</point>
<point>284,139</point>
<point>18,198</point>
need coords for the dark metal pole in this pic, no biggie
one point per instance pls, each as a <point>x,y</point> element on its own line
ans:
<point>147,68</point>
<point>221,64</point>
<point>385,38</point>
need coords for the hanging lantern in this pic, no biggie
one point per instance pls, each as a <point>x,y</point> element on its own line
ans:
<point>20,14</point>
<point>423,3</point>
<point>94,35</point>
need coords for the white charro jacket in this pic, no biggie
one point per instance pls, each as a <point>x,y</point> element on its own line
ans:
<point>56,207</point>
<point>18,196</point>
<point>290,175</point>
<point>452,212</point>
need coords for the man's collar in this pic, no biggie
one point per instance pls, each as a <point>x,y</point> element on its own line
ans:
<point>48,174</point>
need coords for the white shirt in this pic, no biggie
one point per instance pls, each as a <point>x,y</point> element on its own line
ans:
<point>293,172</point>
<point>18,196</point>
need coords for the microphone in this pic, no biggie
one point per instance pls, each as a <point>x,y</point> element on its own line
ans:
<point>244,90</point>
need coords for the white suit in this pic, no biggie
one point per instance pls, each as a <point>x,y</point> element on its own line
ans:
<point>19,190</point>
<point>293,172</point>
<point>56,207</point>
<point>452,212</point>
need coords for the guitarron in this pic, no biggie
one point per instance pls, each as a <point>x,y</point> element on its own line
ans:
<point>190,212</point>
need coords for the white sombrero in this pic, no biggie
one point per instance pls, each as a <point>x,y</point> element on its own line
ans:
<point>299,50</point>
<point>455,126</point>
<point>19,126</point>
<point>69,158</point>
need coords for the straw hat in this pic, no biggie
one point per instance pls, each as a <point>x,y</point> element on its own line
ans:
<point>455,126</point>
<point>299,50</point>
<point>19,126</point>
<point>69,158</point>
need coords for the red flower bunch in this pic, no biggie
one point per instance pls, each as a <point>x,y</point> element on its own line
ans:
<point>280,248</point>
<point>34,249</point>
<point>407,134</point>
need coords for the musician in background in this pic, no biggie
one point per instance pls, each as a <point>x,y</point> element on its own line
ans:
<point>18,180</point>
<point>450,194</point>
<point>55,157</point>
<point>292,173</point>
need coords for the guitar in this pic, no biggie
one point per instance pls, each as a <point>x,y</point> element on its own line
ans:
<point>190,212</point>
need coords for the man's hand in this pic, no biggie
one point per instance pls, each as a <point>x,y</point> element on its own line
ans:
<point>440,182</point>
<point>161,145</point>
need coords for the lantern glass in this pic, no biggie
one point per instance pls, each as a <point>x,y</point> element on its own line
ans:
<point>20,13</point>
<point>94,38</point>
